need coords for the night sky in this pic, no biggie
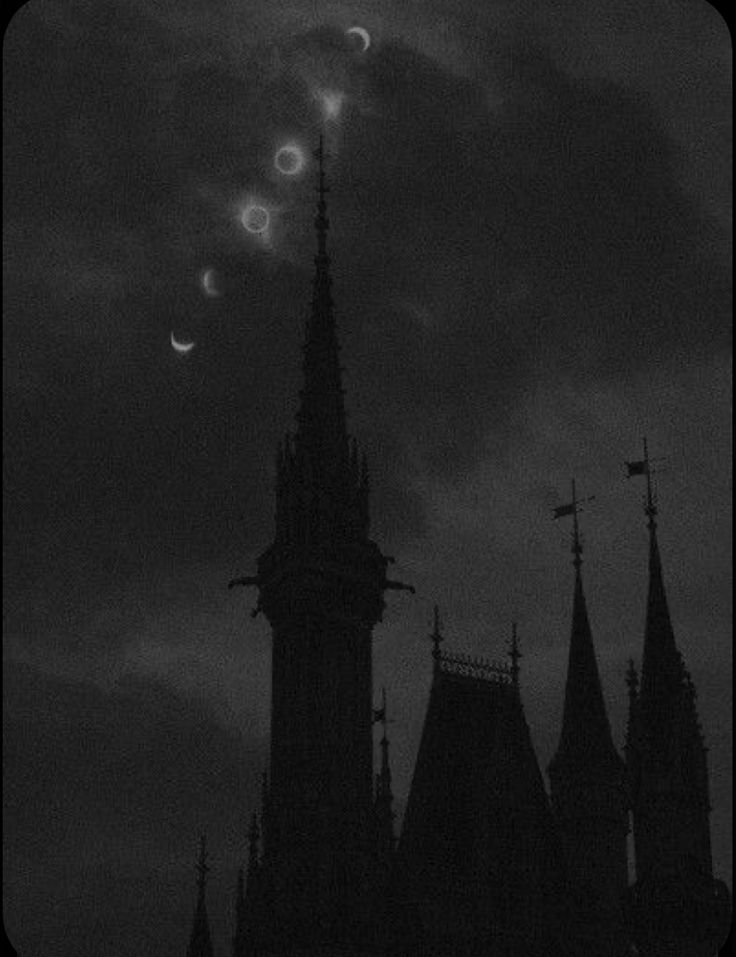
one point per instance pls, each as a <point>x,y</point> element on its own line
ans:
<point>531,218</point>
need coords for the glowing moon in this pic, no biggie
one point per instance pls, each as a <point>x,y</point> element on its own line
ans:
<point>255,218</point>
<point>289,160</point>
<point>181,347</point>
<point>363,34</point>
<point>208,283</point>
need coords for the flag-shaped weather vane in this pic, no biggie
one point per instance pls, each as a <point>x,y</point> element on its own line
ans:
<point>644,467</point>
<point>574,507</point>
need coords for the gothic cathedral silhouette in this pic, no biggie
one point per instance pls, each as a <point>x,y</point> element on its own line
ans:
<point>487,863</point>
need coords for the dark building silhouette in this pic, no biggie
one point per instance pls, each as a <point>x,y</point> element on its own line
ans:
<point>676,906</point>
<point>588,784</point>
<point>487,863</point>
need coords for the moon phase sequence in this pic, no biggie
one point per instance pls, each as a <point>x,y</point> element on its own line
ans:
<point>182,348</point>
<point>362,35</point>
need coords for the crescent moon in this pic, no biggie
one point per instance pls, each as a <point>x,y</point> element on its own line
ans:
<point>181,347</point>
<point>208,283</point>
<point>363,34</point>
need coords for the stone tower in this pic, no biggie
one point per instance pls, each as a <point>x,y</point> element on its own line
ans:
<point>321,586</point>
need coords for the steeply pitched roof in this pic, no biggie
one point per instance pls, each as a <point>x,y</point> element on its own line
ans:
<point>586,746</point>
<point>477,823</point>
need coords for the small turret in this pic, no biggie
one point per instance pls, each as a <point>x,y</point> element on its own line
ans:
<point>385,837</point>
<point>200,943</point>
<point>249,899</point>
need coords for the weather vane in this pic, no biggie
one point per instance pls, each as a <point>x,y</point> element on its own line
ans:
<point>573,509</point>
<point>644,467</point>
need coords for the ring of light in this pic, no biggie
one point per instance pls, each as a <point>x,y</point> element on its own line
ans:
<point>289,160</point>
<point>255,218</point>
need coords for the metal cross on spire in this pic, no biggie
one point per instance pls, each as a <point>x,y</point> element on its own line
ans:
<point>436,637</point>
<point>573,509</point>
<point>202,864</point>
<point>514,654</point>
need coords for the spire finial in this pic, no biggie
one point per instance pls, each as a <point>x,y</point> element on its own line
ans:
<point>202,864</point>
<point>572,509</point>
<point>200,943</point>
<point>643,467</point>
<point>253,836</point>
<point>436,637</point>
<point>632,679</point>
<point>514,654</point>
<point>321,221</point>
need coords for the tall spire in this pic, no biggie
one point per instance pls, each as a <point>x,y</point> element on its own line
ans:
<point>585,740</point>
<point>662,671</point>
<point>200,943</point>
<point>668,782</point>
<point>321,435</point>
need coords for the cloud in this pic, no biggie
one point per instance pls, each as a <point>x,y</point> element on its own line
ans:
<point>528,271</point>
<point>104,795</point>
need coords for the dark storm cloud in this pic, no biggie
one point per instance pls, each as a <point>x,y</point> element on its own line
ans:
<point>560,239</point>
<point>518,249</point>
<point>121,781</point>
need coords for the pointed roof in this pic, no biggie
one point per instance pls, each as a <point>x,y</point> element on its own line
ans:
<point>200,942</point>
<point>586,743</point>
<point>321,434</point>
<point>662,672</point>
<point>585,740</point>
<point>477,803</point>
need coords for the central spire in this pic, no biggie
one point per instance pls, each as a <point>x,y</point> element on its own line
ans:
<point>321,436</point>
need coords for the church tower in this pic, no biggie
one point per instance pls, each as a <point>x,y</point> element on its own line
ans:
<point>321,585</point>
<point>678,907</point>
<point>588,779</point>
